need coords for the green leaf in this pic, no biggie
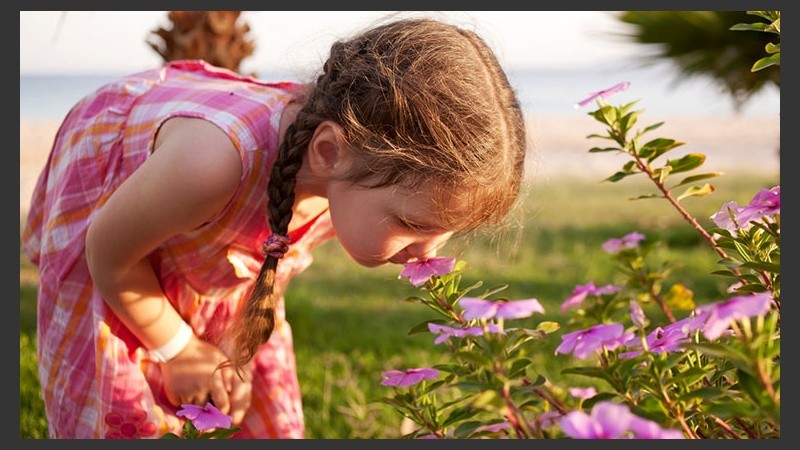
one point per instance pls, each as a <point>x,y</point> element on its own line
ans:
<point>688,162</point>
<point>629,120</point>
<point>473,357</point>
<point>695,178</point>
<point>646,196</point>
<point>760,265</point>
<point>518,367</point>
<point>757,26</point>
<point>763,63</point>
<point>609,114</point>
<point>772,48</point>
<point>593,372</point>
<point>170,436</point>
<point>221,433</point>
<point>548,327</point>
<point>459,414</point>
<point>726,407</point>
<point>721,351</point>
<point>651,128</point>
<point>605,149</point>
<point>618,176</point>
<point>657,147</point>
<point>703,393</point>
<point>484,399</point>
<point>697,191</point>
<point>590,402</point>
<point>689,376</point>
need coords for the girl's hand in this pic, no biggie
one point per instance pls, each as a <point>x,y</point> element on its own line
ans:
<point>231,393</point>
<point>192,375</point>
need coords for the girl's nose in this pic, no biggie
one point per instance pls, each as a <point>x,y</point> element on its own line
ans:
<point>427,248</point>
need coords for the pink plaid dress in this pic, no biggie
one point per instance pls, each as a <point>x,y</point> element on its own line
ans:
<point>96,381</point>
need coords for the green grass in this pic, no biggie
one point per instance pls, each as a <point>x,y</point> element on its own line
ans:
<point>350,323</point>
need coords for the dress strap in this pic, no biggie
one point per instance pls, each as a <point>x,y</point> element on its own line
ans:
<point>296,234</point>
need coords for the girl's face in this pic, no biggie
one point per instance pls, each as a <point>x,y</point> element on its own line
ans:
<point>381,225</point>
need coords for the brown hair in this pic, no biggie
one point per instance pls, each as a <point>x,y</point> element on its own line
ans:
<point>420,103</point>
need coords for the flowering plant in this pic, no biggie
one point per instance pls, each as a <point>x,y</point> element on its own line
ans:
<point>663,366</point>
<point>204,422</point>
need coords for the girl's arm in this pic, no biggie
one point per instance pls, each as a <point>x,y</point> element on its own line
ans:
<point>191,176</point>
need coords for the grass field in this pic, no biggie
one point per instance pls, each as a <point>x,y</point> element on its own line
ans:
<point>350,323</point>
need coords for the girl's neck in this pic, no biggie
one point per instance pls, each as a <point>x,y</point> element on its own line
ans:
<point>307,203</point>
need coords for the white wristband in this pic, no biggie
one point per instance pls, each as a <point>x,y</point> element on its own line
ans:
<point>174,346</point>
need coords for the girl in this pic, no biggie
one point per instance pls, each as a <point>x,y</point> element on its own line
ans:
<point>171,195</point>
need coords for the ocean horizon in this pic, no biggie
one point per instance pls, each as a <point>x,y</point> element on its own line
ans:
<point>542,92</point>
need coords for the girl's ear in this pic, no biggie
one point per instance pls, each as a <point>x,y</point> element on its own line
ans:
<point>326,149</point>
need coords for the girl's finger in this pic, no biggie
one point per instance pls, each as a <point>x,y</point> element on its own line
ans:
<point>219,393</point>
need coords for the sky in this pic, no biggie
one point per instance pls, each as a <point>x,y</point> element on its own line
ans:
<point>86,42</point>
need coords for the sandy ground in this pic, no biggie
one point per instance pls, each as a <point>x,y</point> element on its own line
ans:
<point>559,147</point>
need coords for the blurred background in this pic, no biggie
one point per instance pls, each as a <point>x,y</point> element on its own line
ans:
<point>554,57</point>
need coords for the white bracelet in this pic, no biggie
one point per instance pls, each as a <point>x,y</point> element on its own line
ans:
<point>174,346</point>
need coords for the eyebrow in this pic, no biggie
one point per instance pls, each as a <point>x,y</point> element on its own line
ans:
<point>420,224</point>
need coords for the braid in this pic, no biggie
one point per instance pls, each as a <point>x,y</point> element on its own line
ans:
<point>257,321</point>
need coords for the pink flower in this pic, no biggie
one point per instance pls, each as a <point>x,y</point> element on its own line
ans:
<point>630,240</point>
<point>658,341</point>
<point>607,420</point>
<point>721,314</point>
<point>477,308</point>
<point>647,429</point>
<point>582,393</point>
<point>637,314</point>
<point>581,291</point>
<point>420,272</point>
<point>405,378</point>
<point>604,93</point>
<point>767,202</point>
<point>205,417</point>
<point>583,343</point>
<point>446,332</point>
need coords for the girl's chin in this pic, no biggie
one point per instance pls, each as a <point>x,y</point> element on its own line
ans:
<point>368,262</point>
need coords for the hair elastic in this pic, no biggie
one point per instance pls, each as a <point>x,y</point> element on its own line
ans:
<point>276,245</point>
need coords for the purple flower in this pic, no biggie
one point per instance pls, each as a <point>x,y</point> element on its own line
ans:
<point>766,202</point>
<point>581,291</point>
<point>477,308</point>
<point>205,417</point>
<point>582,393</point>
<point>583,343</point>
<point>547,419</point>
<point>421,271</point>
<point>724,217</point>
<point>721,314</point>
<point>647,429</point>
<point>637,314</point>
<point>630,240</point>
<point>688,325</point>
<point>607,420</point>
<point>658,341</point>
<point>446,332</point>
<point>604,93</point>
<point>405,378</point>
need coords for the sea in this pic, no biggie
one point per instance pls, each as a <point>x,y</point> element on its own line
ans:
<point>659,90</point>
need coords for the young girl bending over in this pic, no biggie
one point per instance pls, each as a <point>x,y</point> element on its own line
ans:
<point>177,204</point>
